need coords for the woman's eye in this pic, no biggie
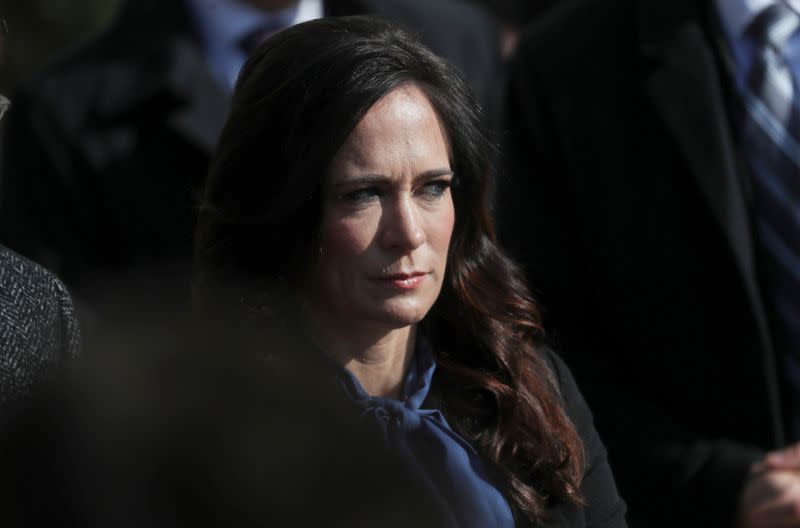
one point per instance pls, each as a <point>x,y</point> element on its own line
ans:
<point>436,188</point>
<point>360,196</point>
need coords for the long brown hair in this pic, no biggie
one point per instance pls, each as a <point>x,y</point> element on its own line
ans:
<point>298,97</point>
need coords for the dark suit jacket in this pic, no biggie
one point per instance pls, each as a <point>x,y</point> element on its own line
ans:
<point>106,150</point>
<point>626,203</point>
<point>37,327</point>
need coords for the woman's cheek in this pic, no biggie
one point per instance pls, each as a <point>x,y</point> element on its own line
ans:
<point>347,236</point>
<point>443,224</point>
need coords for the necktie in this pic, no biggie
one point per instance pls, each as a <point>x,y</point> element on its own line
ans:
<point>771,142</point>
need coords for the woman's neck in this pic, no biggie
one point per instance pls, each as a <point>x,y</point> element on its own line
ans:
<point>378,360</point>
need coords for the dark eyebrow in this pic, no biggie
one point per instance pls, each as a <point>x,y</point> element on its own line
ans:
<point>433,173</point>
<point>373,179</point>
<point>366,179</point>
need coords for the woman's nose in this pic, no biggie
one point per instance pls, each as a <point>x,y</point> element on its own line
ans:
<point>402,225</point>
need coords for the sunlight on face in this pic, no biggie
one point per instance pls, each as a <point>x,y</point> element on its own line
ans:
<point>388,217</point>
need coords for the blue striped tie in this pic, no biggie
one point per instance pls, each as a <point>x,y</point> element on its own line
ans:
<point>771,143</point>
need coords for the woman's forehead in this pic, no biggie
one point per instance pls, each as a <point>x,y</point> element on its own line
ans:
<point>400,129</point>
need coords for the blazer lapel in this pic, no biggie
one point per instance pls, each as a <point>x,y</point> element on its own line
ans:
<point>684,88</point>
<point>683,84</point>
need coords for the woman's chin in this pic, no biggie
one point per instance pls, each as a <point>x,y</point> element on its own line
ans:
<point>398,318</point>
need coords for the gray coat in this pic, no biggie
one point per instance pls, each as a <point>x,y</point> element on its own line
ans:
<point>38,328</point>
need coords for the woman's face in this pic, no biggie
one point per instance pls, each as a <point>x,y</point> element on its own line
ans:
<point>387,217</point>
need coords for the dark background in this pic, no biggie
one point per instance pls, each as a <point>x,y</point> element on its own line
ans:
<point>41,29</point>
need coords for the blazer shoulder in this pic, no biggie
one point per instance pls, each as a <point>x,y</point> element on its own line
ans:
<point>24,275</point>
<point>38,327</point>
<point>561,377</point>
<point>574,404</point>
<point>604,507</point>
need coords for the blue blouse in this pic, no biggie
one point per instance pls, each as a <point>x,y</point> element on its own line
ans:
<point>443,461</point>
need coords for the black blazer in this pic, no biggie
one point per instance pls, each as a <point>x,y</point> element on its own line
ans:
<point>38,329</point>
<point>106,150</point>
<point>626,203</point>
<point>604,507</point>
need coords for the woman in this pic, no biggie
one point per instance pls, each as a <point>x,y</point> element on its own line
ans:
<point>352,178</point>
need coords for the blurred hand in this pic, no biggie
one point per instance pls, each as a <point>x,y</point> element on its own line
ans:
<point>785,459</point>
<point>509,37</point>
<point>771,496</point>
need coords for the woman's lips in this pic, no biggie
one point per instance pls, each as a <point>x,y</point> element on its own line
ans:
<point>403,281</point>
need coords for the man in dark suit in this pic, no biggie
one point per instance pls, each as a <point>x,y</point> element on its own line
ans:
<point>634,206</point>
<point>110,145</point>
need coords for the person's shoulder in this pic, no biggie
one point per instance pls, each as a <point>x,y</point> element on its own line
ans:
<point>35,307</point>
<point>561,375</point>
<point>604,506</point>
<point>38,327</point>
<point>21,274</point>
<point>575,405</point>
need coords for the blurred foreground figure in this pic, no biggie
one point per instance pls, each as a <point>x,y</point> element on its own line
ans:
<point>374,251</point>
<point>654,199</point>
<point>107,148</point>
<point>174,421</point>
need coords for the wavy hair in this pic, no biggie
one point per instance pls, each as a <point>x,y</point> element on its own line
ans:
<point>297,99</point>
